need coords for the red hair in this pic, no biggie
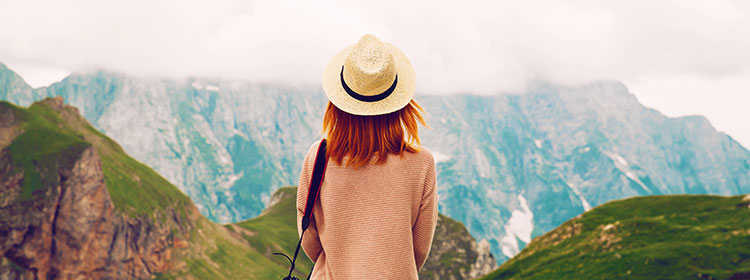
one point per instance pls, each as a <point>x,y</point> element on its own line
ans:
<point>366,137</point>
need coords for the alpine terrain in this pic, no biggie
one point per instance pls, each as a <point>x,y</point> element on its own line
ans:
<point>74,205</point>
<point>510,166</point>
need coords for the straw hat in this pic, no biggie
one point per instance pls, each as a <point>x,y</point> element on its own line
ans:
<point>369,78</point>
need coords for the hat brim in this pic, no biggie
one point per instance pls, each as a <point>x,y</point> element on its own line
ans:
<point>400,97</point>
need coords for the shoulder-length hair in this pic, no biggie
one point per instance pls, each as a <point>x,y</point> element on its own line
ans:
<point>366,137</point>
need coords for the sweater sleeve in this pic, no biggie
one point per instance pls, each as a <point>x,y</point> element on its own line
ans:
<point>424,227</point>
<point>311,241</point>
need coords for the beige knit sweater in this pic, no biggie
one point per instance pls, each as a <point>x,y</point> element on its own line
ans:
<point>373,222</point>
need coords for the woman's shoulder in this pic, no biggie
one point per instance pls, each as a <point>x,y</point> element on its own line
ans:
<point>312,152</point>
<point>423,154</point>
<point>314,146</point>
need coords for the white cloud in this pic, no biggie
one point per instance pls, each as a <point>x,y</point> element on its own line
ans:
<point>657,47</point>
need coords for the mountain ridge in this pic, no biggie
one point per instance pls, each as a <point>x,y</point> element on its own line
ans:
<point>558,150</point>
<point>73,204</point>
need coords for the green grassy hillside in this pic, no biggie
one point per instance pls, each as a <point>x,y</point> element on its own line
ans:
<point>656,237</point>
<point>245,250</point>
<point>48,137</point>
<point>216,253</point>
<point>274,230</point>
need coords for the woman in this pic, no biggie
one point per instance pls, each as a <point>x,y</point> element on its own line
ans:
<point>376,213</point>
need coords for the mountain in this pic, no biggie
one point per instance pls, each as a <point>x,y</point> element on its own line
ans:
<point>655,237</point>
<point>73,204</point>
<point>228,154</point>
<point>68,204</point>
<point>13,87</point>
<point>510,167</point>
<point>540,158</point>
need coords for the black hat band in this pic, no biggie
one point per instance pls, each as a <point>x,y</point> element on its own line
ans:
<point>367,98</point>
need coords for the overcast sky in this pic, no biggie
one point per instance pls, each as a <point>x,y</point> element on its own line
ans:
<point>680,57</point>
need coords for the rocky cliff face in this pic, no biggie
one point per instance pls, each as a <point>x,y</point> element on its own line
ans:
<point>68,228</point>
<point>455,254</point>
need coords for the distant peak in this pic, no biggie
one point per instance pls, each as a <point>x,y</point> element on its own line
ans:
<point>34,75</point>
<point>696,121</point>
<point>14,78</point>
<point>4,69</point>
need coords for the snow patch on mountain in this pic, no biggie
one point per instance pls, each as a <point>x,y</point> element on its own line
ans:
<point>634,177</point>
<point>538,143</point>
<point>622,165</point>
<point>584,202</point>
<point>617,158</point>
<point>519,227</point>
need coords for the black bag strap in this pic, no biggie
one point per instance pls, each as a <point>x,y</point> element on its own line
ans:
<point>313,191</point>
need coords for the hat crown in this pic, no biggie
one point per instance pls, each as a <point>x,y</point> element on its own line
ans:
<point>369,68</point>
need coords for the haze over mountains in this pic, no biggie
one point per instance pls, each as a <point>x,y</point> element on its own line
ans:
<point>511,167</point>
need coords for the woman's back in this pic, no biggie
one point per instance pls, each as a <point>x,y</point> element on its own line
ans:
<point>372,222</point>
<point>376,212</point>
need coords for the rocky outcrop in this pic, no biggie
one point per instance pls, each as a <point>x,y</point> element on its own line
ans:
<point>68,228</point>
<point>455,254</point>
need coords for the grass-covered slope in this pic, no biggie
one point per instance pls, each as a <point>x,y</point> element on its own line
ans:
<point>655,237</point>
<point>275,231</point>
<point>49,135</point>
<point>245,250</point>
<point>216,253</point>
<point>38,149</point>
